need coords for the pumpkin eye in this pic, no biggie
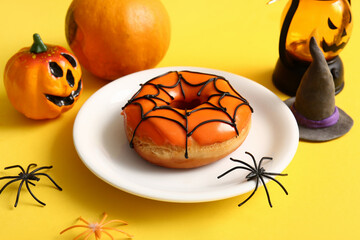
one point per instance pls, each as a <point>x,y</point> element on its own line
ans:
<point>70,59</point>
<point>55,69</point>
<point>331,24</point>
<point>70,78</point>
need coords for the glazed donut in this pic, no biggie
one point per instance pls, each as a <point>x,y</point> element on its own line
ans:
<point>186,119</point>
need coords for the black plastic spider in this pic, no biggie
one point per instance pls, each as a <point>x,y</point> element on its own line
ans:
<point>27,177</point>
<point>257,173</point>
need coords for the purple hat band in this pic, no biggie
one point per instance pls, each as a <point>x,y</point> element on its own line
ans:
<point>327,122</point>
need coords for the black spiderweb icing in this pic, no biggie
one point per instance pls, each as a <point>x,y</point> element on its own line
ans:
<point>154,98</point>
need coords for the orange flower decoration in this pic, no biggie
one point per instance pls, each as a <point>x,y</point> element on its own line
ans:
<point>97,228</point>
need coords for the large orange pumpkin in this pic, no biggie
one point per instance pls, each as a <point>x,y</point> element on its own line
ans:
<point>43,81</point>
<point>113,38</point>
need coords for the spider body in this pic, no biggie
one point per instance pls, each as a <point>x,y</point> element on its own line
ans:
<point>97,228</point>
<point>258,173</point>
<point>26,177</point>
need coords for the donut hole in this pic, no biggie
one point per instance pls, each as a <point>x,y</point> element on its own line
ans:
<point>182,104</point>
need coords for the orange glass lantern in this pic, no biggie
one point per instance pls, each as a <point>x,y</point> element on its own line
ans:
<point>330,22</point>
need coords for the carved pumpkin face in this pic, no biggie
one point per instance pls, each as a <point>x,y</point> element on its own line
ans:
<point>329,21</point>
<point>43,85</point>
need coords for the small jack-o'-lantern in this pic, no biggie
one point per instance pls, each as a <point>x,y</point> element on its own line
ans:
<point>43,81</point>
<point>330,22</point>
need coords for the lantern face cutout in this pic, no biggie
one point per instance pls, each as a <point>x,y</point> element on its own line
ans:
<point>330,22</point>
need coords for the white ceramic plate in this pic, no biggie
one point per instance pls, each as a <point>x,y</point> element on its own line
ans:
<point>101,143</point>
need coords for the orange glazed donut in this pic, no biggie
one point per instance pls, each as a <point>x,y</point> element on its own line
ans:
<point>186,119</point>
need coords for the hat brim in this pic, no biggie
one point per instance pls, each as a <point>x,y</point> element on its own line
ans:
<point>343,125</point>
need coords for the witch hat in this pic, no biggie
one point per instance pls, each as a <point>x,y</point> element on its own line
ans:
<point>318,118</point>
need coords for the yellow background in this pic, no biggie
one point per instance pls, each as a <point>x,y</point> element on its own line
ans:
<point>239,36</point>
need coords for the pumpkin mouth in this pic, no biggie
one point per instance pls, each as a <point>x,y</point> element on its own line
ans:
<point>65,101</point>
<point>332,47</point>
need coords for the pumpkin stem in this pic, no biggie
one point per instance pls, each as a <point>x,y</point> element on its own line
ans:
<point>38,45</point>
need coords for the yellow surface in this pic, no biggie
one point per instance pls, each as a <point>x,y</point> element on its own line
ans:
<point>239,36</point>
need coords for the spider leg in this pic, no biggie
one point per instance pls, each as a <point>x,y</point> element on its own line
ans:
<point>103,219</point>
<point>74,226</point>
<point>252,175</point>
<point>88,232</point>
<point>256,187</point>
<point>18,193</point>
<point>97,234</point>
<point>264,158</point>
<point>40,168</point>
<point>46,175</point>
<point>22,169</point>
<point>253,158</point>
<point>112,238</point>
<point>234,168</point>
<point>276,174</point>
<point>30,165</point>
<point>83,220</point>
<point>7,184</point>
<point>88,235</point>
<point>28,188</point>
<point>265,175</point>
<point>118,230</point>
<point>9,177</point>
<point>266,190</point>
<point>239,161</point>
<point>31,182</point>
<point>116,221</point>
